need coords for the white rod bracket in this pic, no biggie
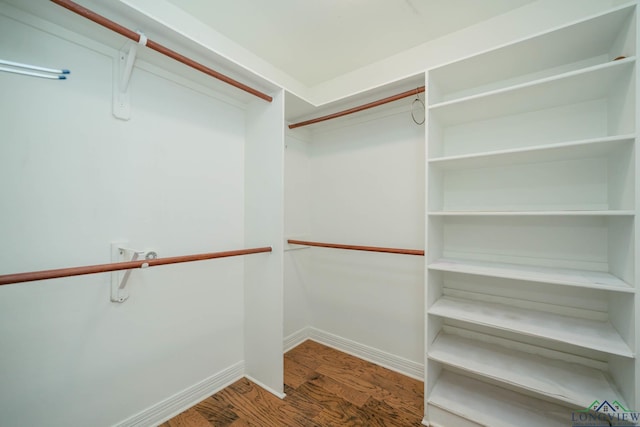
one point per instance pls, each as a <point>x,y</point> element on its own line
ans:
<point>128,67</point>
<point>123,68</point>
<point>119,279</point>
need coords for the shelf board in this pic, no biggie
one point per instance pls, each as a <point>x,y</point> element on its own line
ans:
<point>574,150</point>
<point>535,213</point>
<point>569,383</point>
<point>490,405</point>
<point>569,88</point>
<point>592,37</point>
<point>592,334</point>
<point>553,275</point>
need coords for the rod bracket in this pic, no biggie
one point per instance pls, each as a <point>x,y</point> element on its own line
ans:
<point>123,68</point>
<point>119,279</point>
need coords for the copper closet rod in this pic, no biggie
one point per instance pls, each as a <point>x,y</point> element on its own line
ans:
<point>116,266</point>
<point>358,248</point>
<point>359,108</point>
<point>99,19</point>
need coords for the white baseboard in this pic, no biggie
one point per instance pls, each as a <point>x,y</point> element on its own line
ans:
<point>185,399</point>
<point>267,388</point>
<point>295,339</point>
<point>379,357</point>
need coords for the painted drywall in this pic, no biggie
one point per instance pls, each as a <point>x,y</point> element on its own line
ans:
<point>367,182</point>
<point>73,179</point>
<point>264,226</point>
<point>297,222</point>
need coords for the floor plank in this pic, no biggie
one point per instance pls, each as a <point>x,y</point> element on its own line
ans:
<point>324,388</point>
<point>189,418</point>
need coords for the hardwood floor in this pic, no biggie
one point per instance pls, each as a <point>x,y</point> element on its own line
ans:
<point>324,388</point>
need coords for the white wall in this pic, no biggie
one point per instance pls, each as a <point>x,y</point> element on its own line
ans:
<point>73,179</point>
<point>264,226</point>
<point>297,222</point>
<point>366,187</point>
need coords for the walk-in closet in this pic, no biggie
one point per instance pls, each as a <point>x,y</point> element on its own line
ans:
<point>197,215</point>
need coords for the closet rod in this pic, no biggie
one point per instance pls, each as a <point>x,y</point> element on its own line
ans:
<point>105,22</point>
<point>105,268</point>
<point>359,108</point>
<point>358,248</point>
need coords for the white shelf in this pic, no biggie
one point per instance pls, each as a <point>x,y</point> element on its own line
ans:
<point>594,82</point>
<point>569,383</point>
<point>593,37</point>
<point>493,406</point>
<point>557,276</point>
<point>592,334</point>
<point>596,147</point>
<point>534,213</point>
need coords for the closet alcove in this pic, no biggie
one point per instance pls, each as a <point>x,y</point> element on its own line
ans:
<point>521,187</point>
<point>357,179</point>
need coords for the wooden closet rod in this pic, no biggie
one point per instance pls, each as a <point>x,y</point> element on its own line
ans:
<point>113,26</point>
<point>359,108</point>
<point>116,266</point>
<point>358,248</point>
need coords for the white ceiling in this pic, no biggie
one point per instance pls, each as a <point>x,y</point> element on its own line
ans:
<point>317,40</point>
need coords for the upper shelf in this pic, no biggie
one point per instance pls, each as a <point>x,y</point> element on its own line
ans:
<point>557,276</point>
<point>591,41</point>
<point>594,147</point>
<point>592,334</point>
<point>587,84</point>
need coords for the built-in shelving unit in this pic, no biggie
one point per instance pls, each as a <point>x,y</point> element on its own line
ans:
<point>532,198</point>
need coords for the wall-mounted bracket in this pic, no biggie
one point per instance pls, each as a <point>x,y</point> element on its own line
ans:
<point>119,279</point>
<point>123,68</point>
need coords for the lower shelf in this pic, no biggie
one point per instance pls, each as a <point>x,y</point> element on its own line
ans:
<point>593,334</point>
<point>489,405</point>
<point>563,381</point>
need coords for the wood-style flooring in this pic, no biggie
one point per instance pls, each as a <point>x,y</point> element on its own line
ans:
<point>324,388</point>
